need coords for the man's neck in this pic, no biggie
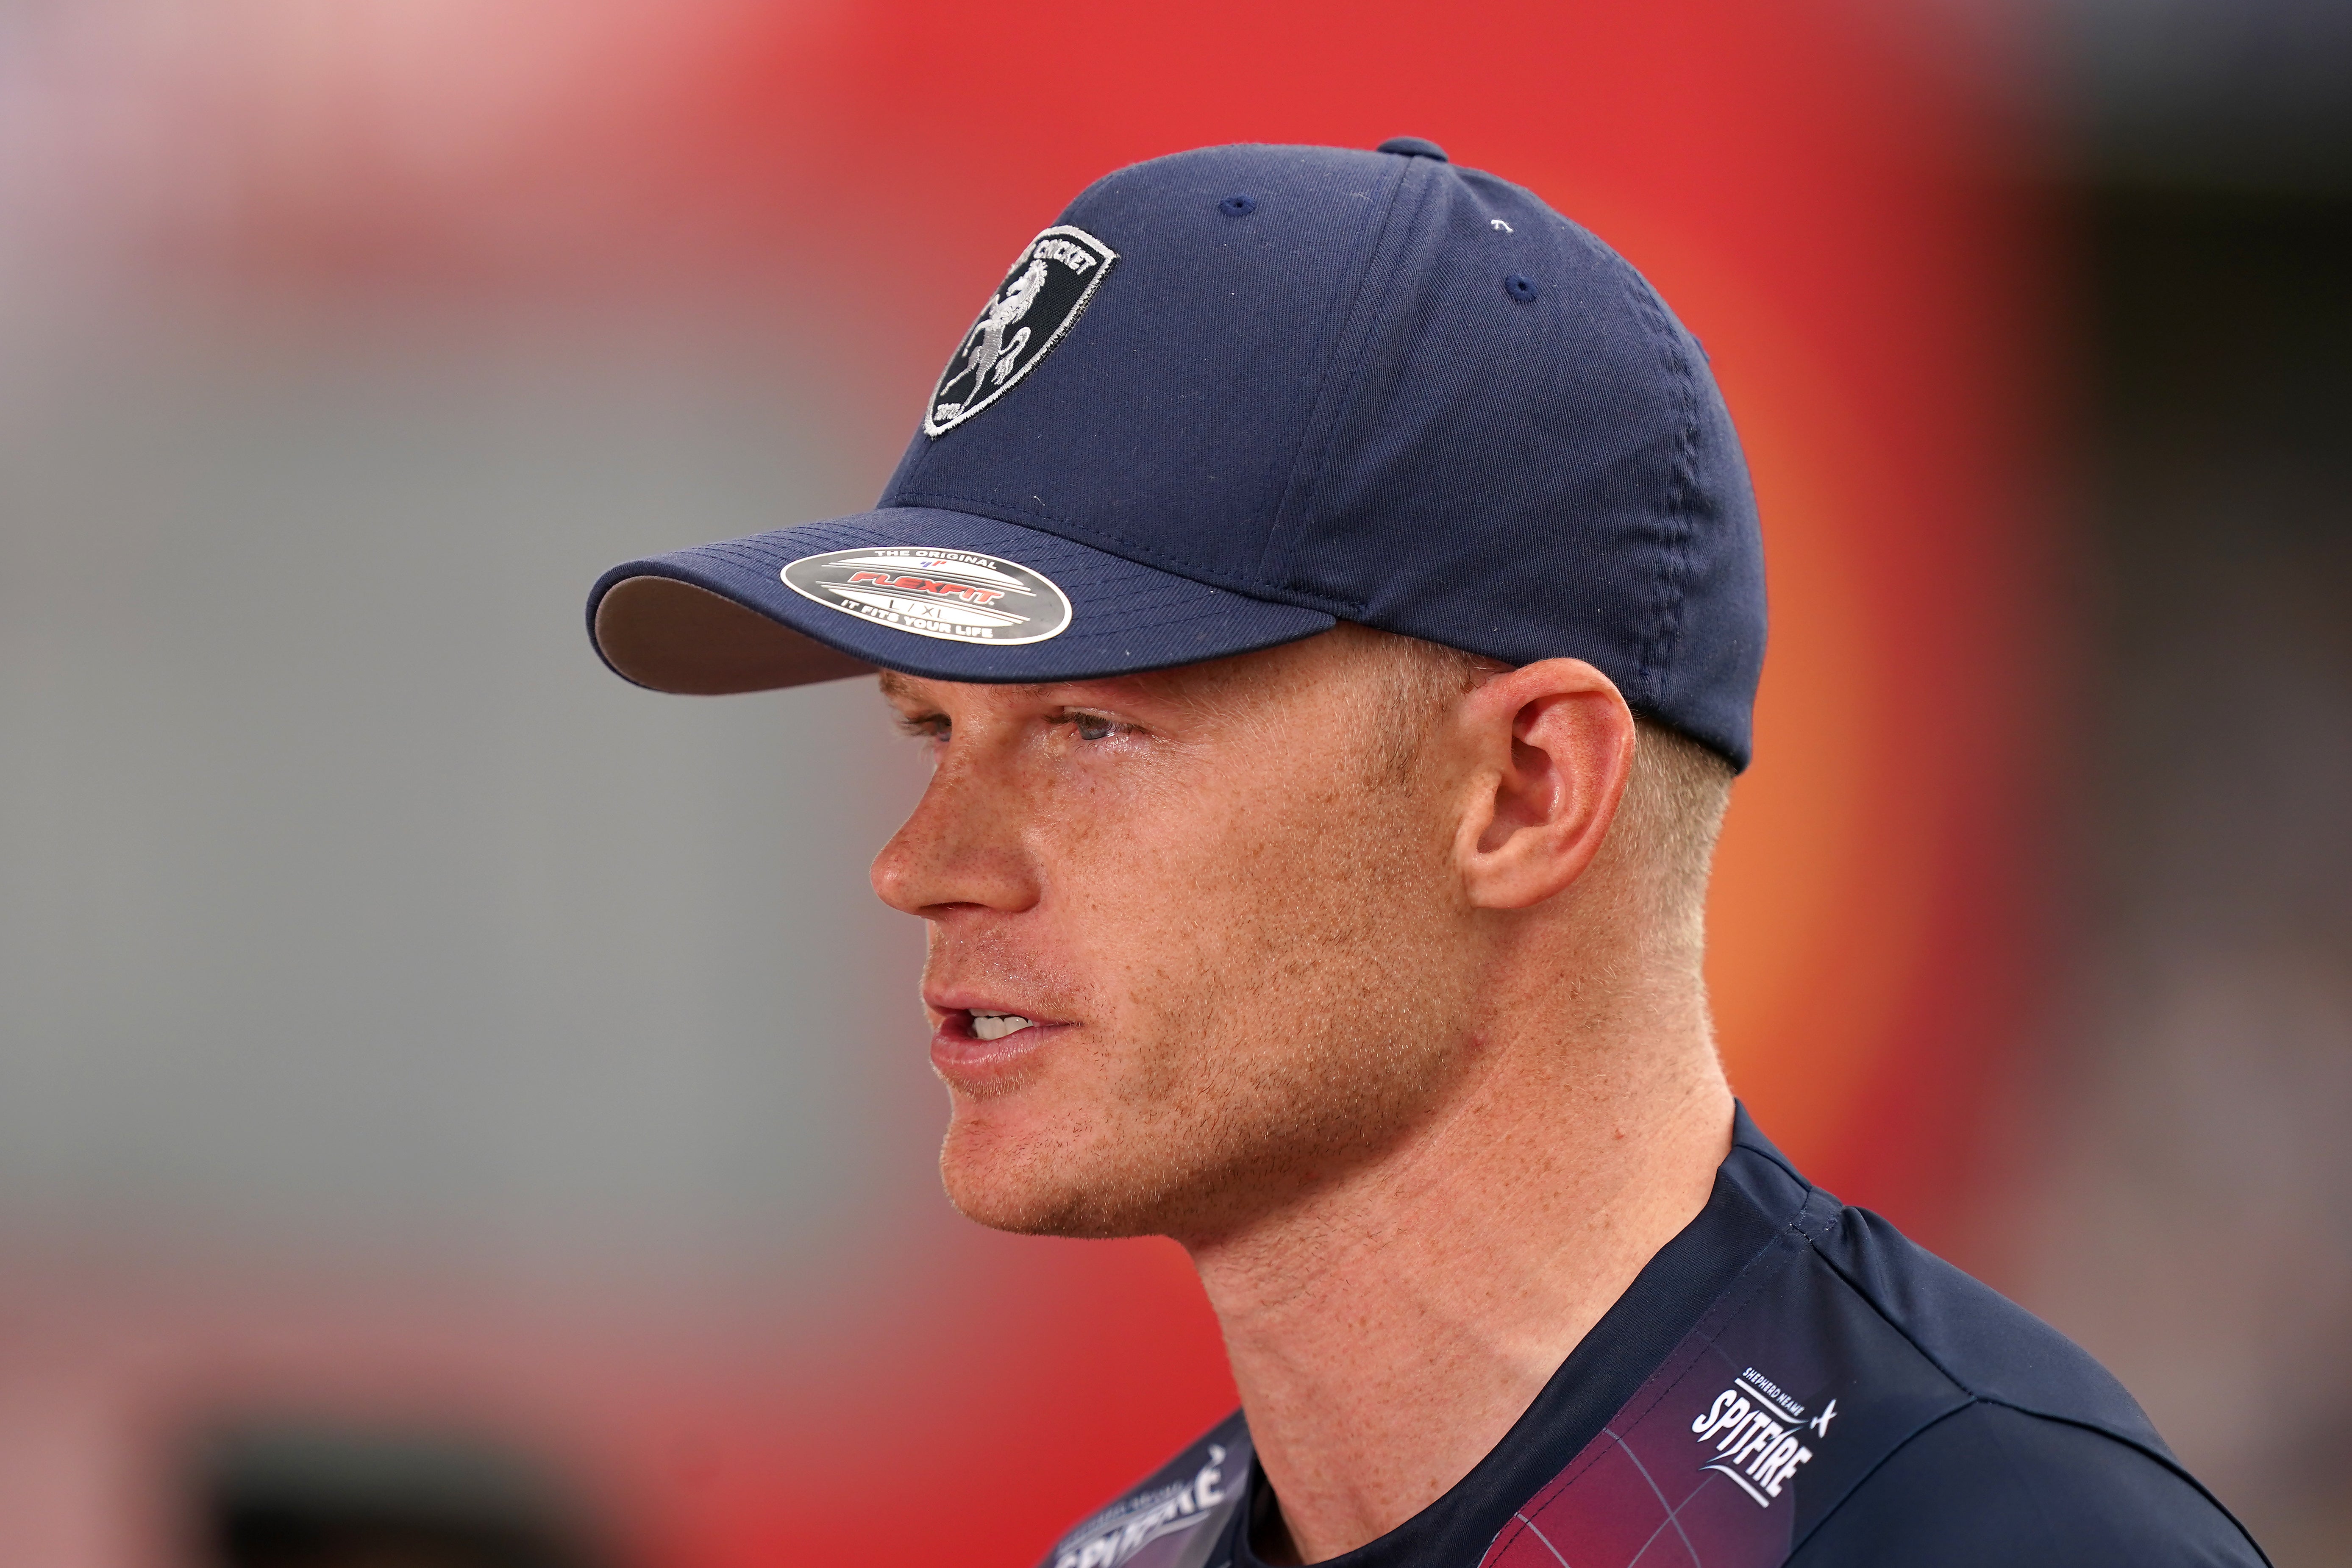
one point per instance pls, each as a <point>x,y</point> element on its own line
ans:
<point>1386,1334</point>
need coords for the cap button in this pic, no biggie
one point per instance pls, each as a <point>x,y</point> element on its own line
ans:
<point>1412,147</point>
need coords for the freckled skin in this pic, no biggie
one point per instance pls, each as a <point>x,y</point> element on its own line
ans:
<point>1371,1023</point>
<point>1228,897</point>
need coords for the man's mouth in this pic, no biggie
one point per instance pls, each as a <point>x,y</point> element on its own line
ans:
<point>973,1048</point>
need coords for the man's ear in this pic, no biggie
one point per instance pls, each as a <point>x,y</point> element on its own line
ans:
<point>1552,744</point>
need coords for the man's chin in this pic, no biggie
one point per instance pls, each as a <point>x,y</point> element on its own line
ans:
<point>1031,1187</point>
<point>1025,1208</point>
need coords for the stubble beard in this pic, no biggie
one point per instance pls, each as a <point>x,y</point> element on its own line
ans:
<point>1221,1143</point>
<point>1317,1029</point>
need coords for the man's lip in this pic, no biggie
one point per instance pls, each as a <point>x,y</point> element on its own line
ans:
<point>945,1004</point>
<point>969,1063</point>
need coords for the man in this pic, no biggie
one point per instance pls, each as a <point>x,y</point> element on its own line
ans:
<point>1335,641</point>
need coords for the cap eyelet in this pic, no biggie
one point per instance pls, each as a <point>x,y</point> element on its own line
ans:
<point>1523,289</point>
<point>1238,206</point>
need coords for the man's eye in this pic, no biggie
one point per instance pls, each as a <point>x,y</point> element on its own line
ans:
<point>929,727</point>
<point>1089,726</point>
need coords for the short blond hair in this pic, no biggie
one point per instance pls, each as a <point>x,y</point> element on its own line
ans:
<point>1666,824</point>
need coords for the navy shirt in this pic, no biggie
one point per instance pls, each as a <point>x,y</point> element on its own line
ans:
<point>1789,1381</point>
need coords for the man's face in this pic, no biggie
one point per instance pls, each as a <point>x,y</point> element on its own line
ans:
<point>1225,897</point>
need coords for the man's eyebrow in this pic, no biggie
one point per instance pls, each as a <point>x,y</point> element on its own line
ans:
<point>898,688</point>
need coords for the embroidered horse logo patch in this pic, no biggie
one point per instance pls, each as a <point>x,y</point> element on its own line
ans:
<point>1030,312</point>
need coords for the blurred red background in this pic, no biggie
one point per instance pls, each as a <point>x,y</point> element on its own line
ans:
<point>1812,185</point>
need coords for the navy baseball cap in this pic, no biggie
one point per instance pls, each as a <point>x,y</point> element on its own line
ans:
<point>1237,395</point>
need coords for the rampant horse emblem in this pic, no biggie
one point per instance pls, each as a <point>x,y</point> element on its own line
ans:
<point>1050,283</point>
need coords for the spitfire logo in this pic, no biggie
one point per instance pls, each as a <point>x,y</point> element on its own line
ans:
<point>1117,1534</point>
<point>1753,1427</point>
<point>955,594</point>
<point>1050,283</point>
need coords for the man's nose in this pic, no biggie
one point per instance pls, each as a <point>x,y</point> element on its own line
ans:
<point>961,849</point>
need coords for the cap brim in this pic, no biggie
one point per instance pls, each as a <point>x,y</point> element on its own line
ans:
<point>721,618</point>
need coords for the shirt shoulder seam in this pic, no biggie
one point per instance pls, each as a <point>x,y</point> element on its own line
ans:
<point>1978,1397</point>
<point>1981,1402</point>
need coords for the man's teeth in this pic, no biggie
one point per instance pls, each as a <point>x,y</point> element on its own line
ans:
<point>996,1025</point>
